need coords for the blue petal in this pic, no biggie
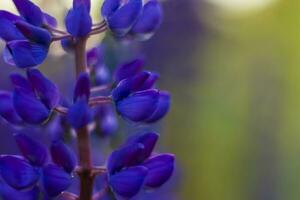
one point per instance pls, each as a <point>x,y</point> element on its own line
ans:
<point>7,57</point>
<point>162,109</point>
<point>150,82</point>
<point>124,157</point>
<point>127,86</point>
<point>34,33</point>
<point>46,90</point>
<point>19,81</point>
<point>55,180</point>
<point>29,108</point>
<point>29,11</point>
<point>86,3</point>
<point>128,182</point>
<point>31,149</point>
<point>138,106</point>
<point>108,123</point>
<point>109,7</point>
<point>9,193</point>
<point>78,21</point>
<point>9,31</point>
<point>63,156</point>
<point>7,110</point>
<point>149,21</point>
<point>49,20</point>
<point>82,88</point>
<point>79,114</point>
<point>26,54</point>
<point>129,69</point>
<point>95,56</point>
<point>160,169</point>
<point>17,172</point>
<point>149,141</point>
<point>9,16</point>
<point>123,18</point>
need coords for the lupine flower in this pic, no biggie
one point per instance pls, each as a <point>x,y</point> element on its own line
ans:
<point>121,15</point>
<point>79,114</point>
<point>35,97</point>
<point>7,109</point>
<point>148,22</point>
<point>26,36</point>
<point>78,20</point>
<point>135,97</point>
<point>132,18</point>
<point>26,171</point>
<point>131,167</point>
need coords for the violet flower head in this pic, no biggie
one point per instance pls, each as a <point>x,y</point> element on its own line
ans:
<point>27,37</point>
<point>135,96</point>
<point>131,167</point>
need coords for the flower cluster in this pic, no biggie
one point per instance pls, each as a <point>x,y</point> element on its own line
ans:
<point>97,101</point>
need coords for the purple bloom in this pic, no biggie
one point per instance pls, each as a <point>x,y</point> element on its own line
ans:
<point>7,109</point>
<point>9,193</point>
<point>121,16</point>
<point>130,167</point>
<point>78,20</point>
<point>35,97</point>
<point>27,41</point>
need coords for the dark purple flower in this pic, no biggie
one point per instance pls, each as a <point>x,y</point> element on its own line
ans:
<point>148,22</point>
<point>78,20</point>
<point>120,15</point>
<point>9,193</point>
<point>32,150</point>
<point>7,109</point>
<point>128,69</point>
<point>35,97</point>
<point>63,156</point>
<point>79,113</point>
<point>55,180</point>
<point>130,167</point>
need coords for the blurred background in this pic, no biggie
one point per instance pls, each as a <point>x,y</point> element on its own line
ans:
<point>233,68</point>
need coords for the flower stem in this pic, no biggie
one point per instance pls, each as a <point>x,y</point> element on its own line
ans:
<point>83,136</point>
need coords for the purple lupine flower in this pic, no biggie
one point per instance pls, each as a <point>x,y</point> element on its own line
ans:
<point>131,167</point>
<point>26,171</point>
<point>79,114</point>
<point>7,109</point>
<point>121,15</point>
<point>148,22</point>
<point>78,20</point>
<point>135,97</point>
<point>35,97</point>
<point>27,37</point>
<point>9,193</point>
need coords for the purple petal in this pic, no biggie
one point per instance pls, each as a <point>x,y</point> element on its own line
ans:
<point>31,149</point>
<point>124,157</point>
<point>128,69</point>
<point>17,172</point>
<point>7,110</point>
<point>7,57</point>
<point>128,182</point>
<point>127,86</point>
<point>149,141</point>
<point>108,124</point>
<point>29,11</point>
<point>79,114</point>
<point>162,109</point>
<point>9,31</point>
<point>149,21</point>
<point>95,56</point>
<point>63,156</point>
<point>68,44</point>
<point>82,88</point>
<point>55,180</point>
<point>9,193</point>
<point>29,108</point>
<point>19,81</point>
<point>34,33</point>
<point>46,90</point>
<point>26,54</point>
<point>160,169</point>
<point>109,7</point>
<point>150,82</point>
<point>49,20</point>
<point>9,16</point>
<point>124,17</point>
<point>138,106</point>
<point>78,21</point>
<point>86,3</point>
